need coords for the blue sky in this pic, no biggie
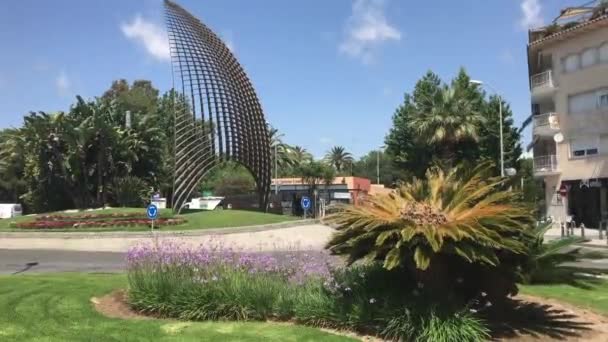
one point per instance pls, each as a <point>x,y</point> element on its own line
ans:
<point>327,72</point>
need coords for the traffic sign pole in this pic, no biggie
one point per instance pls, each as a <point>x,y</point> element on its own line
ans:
<point>152,212</point>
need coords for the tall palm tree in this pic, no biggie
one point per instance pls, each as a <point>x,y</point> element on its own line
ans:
<point>445,118</point>
<point>338,157</point>
<point>282,150</point>
<point>12,163</point>
<point>300,155</point>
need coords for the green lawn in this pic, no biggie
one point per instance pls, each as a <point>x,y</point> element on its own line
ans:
<point>58,308</point>
<point>594,298</point>
<point>195,220</point>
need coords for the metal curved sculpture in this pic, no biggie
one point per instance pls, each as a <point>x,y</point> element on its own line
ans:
<point>223,119</point>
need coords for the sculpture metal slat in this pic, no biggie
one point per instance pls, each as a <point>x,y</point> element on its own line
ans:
<point>230,124</point>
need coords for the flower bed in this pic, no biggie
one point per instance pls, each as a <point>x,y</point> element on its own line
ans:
<point>215,282</point>
<point>82,217</point>
<point>130,222</point>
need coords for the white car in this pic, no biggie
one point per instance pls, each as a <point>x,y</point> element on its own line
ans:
<point>8,210</point>
<point>205,203</point>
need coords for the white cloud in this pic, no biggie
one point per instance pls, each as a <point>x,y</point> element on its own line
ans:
<point>63,84</point>
<point>531,16</point>
<point>152,36</point>
<point>326,140</point>
<point>367,29</point>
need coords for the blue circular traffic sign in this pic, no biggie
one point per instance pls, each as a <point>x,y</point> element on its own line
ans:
<point>305,202</point>
<point>152,211</point>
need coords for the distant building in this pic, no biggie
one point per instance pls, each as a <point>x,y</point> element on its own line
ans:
<point>342,189</point>
<point>568,69</point>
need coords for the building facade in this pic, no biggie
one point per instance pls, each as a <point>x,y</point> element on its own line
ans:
<point>568,67</point>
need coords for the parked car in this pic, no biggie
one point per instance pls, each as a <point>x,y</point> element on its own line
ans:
<point>8,210</point>
<point>205,203</point>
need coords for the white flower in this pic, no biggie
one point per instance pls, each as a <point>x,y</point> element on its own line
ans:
<point>473,310</point>
<point>347,289</point>
<point>214,278</point>
<point>372,300</point>
<point>483,294</point>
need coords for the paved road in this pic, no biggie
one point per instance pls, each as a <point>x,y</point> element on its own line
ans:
<point>43,261</point>
<point>48,261</point>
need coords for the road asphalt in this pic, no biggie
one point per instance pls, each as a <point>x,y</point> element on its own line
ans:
<point>20,261</point>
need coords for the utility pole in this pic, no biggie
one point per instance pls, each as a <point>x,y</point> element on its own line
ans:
<point>378,167</point>
<point>276,171</point>
<point>502,150</point>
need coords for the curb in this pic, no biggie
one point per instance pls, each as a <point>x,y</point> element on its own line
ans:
<point>145,234</point>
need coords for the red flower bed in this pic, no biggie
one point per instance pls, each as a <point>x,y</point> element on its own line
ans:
<point>88,217</point>
<point>53,224</point>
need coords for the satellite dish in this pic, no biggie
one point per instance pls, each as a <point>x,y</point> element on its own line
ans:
<point>558,137</point>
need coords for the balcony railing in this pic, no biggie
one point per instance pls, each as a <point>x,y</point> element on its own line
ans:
<point>545,164</point>
<point>545,122</point>
<point>542,80</point>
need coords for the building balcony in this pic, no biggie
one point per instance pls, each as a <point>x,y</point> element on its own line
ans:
<point>545,124</point>
<point>542,84</point>
<point>546,166</point>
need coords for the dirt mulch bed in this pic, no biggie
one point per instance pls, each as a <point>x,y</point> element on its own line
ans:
<point>529,318</point>
<point>115,305</point>
<point>525,319</point>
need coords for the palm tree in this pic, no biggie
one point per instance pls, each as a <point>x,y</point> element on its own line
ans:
<point>12,164</point>
<point>282,150</point>
<point>300,155</point>
<point>338,157</point>
<point>445,118</point>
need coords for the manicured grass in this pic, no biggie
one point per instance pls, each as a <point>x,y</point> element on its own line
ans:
<point>595,297</point>
<point>58,308</point>
<point>195,220</point>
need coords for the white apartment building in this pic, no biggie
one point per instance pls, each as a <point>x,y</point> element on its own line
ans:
<point>568,67</point>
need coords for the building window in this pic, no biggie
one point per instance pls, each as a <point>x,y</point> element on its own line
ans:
<point>602,100</point>
<point>604,53</point>
<point>588,58</point>
<point>571,63</point>
<point>581,103</point>
<point>583,147</point>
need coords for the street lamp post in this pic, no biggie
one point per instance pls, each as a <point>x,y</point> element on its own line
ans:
<point>378,167</point>
<point>276,172</point>
<point>502,150</point>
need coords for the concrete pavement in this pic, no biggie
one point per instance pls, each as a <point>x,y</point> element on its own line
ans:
<point>304,237</point>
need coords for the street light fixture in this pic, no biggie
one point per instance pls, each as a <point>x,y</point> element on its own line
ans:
<point>502,151</point>
<point>378,164</point>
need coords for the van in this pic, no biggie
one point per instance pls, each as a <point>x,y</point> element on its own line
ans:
<point>8,210</point>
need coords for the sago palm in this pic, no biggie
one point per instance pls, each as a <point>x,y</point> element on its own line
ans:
<point>548,261</point>
<point>456,215</point>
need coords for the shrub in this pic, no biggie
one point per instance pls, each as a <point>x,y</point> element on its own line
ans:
<point>130,191</point>
<point>458,233</point>
<point>216,282</point>
<point>432,325</point>
<point>545,261</point>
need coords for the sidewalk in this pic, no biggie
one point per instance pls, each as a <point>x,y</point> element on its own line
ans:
<point>303,237</point>
<point>591,236</point>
